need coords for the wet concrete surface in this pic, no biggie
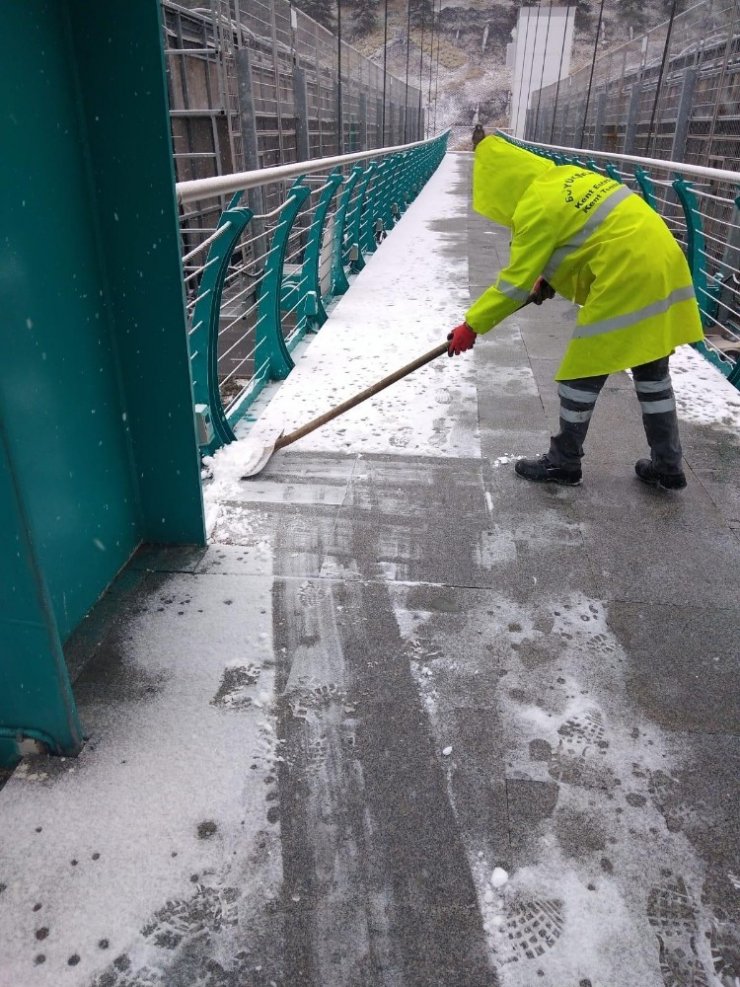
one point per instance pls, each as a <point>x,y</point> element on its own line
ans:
<point>414,723</point>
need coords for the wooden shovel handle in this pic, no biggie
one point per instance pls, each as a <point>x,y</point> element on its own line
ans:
<point>285,440</point>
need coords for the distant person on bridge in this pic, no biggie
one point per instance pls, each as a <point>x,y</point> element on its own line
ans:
<point>599,245</point>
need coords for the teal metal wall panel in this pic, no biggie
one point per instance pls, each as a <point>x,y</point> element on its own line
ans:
<point>120,64</point>
<point>99,442</point>
<point>35,695</point>
<point>59,392</point>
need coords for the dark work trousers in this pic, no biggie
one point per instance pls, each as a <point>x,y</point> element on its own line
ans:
<point>655,394</point>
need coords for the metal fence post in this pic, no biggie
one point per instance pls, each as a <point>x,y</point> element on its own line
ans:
<point>582,115</point>
<point>694,234</point>
<point>630,130</point>
<point>731,258</point>
<point>598,142</point>
<point>561,136</point>
<point>368,242</point>
<point>363,121</point>
<point>248,124</point>
<point>313,306</point>
<point>724,292</point>
<point>356,259</point>
<point>205,325</point>
<point>646,187</point>
<point>341,251</point>
<point>271,357</point>
<point>300,96</point>
<point>731,255</point>
<point>683,115</point>
<point>390,205</point>
<point>339,125</point>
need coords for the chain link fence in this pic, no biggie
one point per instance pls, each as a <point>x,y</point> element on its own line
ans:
<point>673,93</point>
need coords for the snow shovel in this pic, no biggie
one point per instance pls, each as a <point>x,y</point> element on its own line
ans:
<point>261,453</point>
<point>259,456</point>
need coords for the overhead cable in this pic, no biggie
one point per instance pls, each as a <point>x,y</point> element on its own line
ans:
<point>542,73</point>
<point>340,121</point>
<point>660,78</point>
<point>560,72</point>
<point>524,55</point>
<point>408,54</point>
<point>385,69</point>
<point>591,77</point>
<point>436,71</point>
<point>421,70</point>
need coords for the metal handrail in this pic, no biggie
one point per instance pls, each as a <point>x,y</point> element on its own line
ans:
<point>695,171</point>
<point>208,188</point>
<point>274,263</point>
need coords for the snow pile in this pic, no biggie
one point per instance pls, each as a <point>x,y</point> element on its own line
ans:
<point>227,466</point>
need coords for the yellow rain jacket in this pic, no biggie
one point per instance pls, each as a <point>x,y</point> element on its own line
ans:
<point>598,244</point>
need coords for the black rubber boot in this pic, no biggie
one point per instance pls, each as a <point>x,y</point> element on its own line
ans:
<point>543,471</point>
<point>664,481</point>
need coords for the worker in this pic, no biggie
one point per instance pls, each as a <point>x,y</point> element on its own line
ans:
<point>600,245</point>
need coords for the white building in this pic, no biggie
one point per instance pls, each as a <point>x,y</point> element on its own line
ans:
<point>538,55</point>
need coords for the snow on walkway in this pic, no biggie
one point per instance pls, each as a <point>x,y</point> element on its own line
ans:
<point>410,294</point>
<point>703,395</point>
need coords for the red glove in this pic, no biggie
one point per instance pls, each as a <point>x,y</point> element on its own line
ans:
<point>542,291</point>
<point>461,338</point>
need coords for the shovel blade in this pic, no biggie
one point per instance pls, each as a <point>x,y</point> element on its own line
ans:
<point>258,449</point>
<point>258,459</point>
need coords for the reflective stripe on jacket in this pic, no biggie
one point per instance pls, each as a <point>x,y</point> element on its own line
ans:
<point>598,244</point>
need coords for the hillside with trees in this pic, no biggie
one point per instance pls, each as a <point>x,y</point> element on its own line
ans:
<point>463,59</point>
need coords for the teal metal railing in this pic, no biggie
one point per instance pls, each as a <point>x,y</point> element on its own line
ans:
<point>702,208</point>
<point>262,279</point>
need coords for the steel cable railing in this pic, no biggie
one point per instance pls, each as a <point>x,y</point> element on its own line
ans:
<point>701,206</point>
<point>259,281</point>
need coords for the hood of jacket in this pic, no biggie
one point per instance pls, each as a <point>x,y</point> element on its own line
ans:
<point>502,173</point>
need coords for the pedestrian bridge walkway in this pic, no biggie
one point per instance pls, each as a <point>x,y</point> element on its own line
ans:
<point>409,720</point>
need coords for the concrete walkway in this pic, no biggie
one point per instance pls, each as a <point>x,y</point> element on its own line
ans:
<point>417,724</point>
